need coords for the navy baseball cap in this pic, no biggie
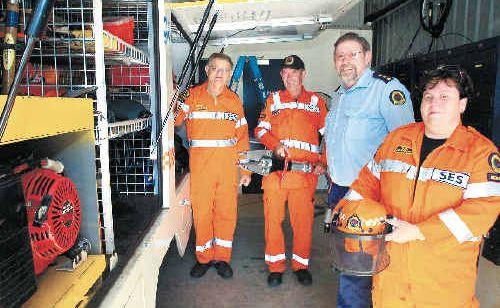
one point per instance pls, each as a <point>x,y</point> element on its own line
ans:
<point>293,61</point>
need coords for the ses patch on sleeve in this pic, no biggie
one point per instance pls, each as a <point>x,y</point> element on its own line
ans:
<point>397,98</point>
<point>494,162</point>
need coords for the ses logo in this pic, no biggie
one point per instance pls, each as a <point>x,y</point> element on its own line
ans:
<point>459,179</point>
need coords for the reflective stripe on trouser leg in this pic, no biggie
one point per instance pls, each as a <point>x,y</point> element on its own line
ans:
<point>354,292</point>
<point>274,214</point>
<point>301,208</point>
<point>202,200</point>
<point>225,214</point>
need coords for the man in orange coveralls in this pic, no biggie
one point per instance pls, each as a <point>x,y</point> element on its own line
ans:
<point>217,131</point>
<point>290,126</point>
<point>441,182</point>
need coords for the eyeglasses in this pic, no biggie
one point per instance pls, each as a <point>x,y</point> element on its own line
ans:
<point>349,56</point>
<point>219,69</point>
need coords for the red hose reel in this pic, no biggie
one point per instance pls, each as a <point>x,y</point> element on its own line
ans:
<point>54,215</point>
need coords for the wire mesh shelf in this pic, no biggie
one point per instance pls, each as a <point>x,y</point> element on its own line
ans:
<point>130,167</point>
<point>119,129</point>
<point>115,49</point>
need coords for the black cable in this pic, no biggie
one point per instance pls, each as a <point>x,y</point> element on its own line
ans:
<point>185,69</point>
<point>430,45</point>
<point>412,41</point>
<point>204,44</point>
<point>442,42</point>
<point>239,31</point>
<point>459,34</point>
<point>182,31</point>
<point>186,66</point>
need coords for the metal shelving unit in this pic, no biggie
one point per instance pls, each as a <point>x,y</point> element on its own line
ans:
<point>131,169</point>
<point>78,57</point>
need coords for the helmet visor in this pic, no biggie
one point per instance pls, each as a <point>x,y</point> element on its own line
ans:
<point>358,255</point>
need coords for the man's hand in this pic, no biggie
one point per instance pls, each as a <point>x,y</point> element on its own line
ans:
<point>319,168</point>
<point>403,232</point>
<point>245,179</point>
<point>282,151</point>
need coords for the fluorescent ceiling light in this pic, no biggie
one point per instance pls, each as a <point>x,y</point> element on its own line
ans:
<point>274,23</point>
<point>259,40</point>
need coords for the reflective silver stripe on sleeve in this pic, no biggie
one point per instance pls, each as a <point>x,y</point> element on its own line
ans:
<point>482,190</point>
<point>389,165</point>
<point>205,247</point>
<point>212,143</point>
<point>274,258</point>
<point>210,115</point>
<point>322,130</point>
<point>457,226</point>
<point>241,122</point>
<point>300,260</point>
<point>223,243</point>
<point>261,133</point>
<point>374,168</point>
<point>265,124</point>
<point>302,145</point>
<point>353,195</point>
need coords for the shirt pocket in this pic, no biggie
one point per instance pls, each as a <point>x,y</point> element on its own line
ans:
<point>364,128</point>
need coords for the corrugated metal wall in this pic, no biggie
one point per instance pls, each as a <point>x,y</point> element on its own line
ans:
<point>351,19</point>
<point>469,21</point>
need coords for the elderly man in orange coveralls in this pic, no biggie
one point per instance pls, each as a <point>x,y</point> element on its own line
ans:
<point>290,126</point>
<point>441,182</point>
<point>217,131</point>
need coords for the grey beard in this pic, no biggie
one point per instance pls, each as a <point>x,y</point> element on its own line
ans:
<point>344,81</point>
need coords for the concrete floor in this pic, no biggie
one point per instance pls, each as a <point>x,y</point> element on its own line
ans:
<point>248,287</point>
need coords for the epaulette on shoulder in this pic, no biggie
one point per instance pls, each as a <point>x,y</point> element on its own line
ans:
<point>478,136</point>
<point>383,77</point>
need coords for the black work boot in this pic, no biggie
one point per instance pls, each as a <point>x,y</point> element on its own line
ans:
<point>304,277</point>
<point>199,269</point>
<point>274,279</point>
<point>224,269</point>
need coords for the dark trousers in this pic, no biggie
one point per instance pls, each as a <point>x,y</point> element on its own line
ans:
<point>354,291</point>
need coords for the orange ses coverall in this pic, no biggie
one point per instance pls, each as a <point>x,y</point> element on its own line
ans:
<point>453,197</point>
<point>217,130</point>
<point>295,123</point>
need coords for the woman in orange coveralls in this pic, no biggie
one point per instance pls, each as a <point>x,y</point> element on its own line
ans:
<point>441,182</point>
<point>217,131</point>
